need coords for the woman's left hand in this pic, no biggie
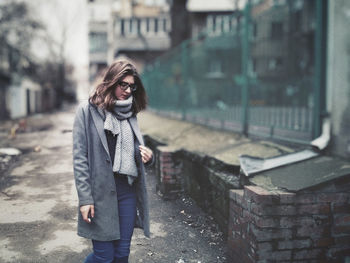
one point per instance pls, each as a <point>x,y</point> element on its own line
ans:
<point>146,154</point>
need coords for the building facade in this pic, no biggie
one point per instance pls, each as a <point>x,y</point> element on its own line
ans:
<point>138,30</point>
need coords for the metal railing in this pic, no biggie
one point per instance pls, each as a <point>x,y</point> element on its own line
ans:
<point>262,76</point>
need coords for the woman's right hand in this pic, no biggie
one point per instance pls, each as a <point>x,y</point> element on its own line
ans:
<point>84,210</point>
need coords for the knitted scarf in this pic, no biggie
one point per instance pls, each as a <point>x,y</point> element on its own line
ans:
<point>117,123</point>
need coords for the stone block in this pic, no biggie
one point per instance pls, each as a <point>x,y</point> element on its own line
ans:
<point>260,195</point>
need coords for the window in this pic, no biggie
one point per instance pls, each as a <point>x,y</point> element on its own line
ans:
<point>122,27</point>
<point>255,65</point>
<point>139,26</point>
<point>215,69</point>
<point>275,64</point>
<point>255,29</point>
<point>276,30</point>
<point>164,25</point>
<point>130,26</point>
<point>297,19</point>
<point>156,25</point>
<point>147,25</point>
<point>98,42</point>
<point>214,24</point>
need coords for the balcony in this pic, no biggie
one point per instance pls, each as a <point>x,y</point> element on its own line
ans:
<point>142,34</point>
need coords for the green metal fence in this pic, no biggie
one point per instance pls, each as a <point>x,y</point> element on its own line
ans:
<point>260,72</point>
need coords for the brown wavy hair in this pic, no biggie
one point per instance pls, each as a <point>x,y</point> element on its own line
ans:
<point>103,95</point>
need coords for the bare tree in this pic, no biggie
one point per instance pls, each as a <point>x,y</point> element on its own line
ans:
<point>59,25</point>
<point>17,31</point>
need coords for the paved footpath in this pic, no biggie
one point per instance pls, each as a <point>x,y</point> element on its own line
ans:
<point>38,205</point>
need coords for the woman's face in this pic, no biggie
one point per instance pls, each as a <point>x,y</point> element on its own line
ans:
<point>123,93</point>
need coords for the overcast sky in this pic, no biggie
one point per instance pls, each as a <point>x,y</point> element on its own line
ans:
<point>57,16</point>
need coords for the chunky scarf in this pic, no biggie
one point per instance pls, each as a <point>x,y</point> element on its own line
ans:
<point>117,123</point>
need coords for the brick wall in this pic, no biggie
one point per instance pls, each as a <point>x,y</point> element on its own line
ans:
<point>169,170</point>
<point>202,178</point>
<point>279,226</point>
<point>208,182</point>
<point>312,225</point>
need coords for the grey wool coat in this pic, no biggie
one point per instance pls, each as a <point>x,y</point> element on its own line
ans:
<point>94,177</point>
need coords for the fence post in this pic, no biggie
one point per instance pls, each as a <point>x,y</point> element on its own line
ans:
<point>320,62</point>
<point>156,79</point>
<point>245,65</point>
<point>184,72</point>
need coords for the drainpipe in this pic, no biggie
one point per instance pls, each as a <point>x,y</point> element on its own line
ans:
<point>322,141</point>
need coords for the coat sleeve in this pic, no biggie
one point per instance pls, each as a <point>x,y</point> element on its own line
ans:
<point>80,159</point>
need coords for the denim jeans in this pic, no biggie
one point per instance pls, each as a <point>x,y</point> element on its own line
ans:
<point>117,251</point>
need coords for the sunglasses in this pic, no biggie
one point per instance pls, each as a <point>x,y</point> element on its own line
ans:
<point>125,85</point>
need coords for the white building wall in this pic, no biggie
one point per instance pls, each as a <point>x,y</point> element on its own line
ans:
<point>338,75</point>
<point>16,98</point>
<point>16,101</point>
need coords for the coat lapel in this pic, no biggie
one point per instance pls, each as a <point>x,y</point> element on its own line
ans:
<point>99,126</point>
<point>135,128</point>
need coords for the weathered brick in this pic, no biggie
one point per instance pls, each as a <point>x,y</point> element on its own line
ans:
<point>275,255</point>
<point>239,196</point>
<point>165,156</point>
<point>322,220</point>
<point>341,208</point>
<point>288,222</point>
<point>237,210</point>
<point>312,232</point>
<point>170,181</point>
<point>342,220</point>
<point>305,221</point>
<point>264,221</point>
<point>246,204</point>
<point>308,221</point>
<point>238,250</point>
<point>264,246</point>
<point>308,198</point>
<point>341,230</point>
<point>266,234</point>
<point>333,197</point>
<point>236,230</point>
<point>233,193</point>
<point>247,216</point>
<point>308,254</point>
<point>339,252</point>
<point>166,165</point>
<point>323,242</point>
<point>165,150</point>
<point>294,244</point>
<point>286,197</point>
<point>342,240</point>
<point>171,170</point>
<point>314,209</point>
<point>285,210</point>
<point>166,179</point>
<point>273,210</point>
<point>260,195</point>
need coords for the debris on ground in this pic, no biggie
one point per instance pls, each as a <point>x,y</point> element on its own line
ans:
<point>7,156</point>
<point>37,148</point>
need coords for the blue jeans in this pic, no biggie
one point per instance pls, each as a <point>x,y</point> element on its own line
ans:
<point>117,251</point>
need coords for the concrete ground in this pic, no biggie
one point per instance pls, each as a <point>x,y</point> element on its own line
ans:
<point>39,203</point>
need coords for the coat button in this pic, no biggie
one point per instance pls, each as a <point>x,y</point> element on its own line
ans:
<point>108,161</point>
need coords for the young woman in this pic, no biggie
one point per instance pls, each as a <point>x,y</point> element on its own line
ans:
<point>108,159</point>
